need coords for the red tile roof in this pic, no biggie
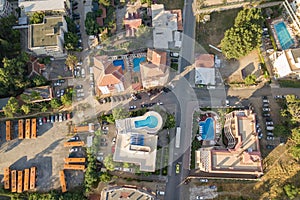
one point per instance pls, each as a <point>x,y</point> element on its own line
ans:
<point>205,60</point>
<point>179,19</point>
<point>132,23</point>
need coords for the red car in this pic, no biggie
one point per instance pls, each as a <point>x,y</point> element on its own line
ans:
<point>45,119</point>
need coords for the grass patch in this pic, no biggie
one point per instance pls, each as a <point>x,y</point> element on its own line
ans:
<point>174,66</point>
<point>289,83</point>
<point>212,32</point>
<point>171,4</point>
<point>195,146</point>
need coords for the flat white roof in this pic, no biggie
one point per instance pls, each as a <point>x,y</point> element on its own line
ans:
<point>42,5</point>
<point>205,76</point>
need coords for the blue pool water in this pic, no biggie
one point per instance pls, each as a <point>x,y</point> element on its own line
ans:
<point>208,131</point>
<point>118,63</point>
<point>150,121</point>
<point>283,35</point>
<point>136,63</point>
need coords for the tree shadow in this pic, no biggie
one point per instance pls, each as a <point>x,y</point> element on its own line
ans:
<point>246,71</point>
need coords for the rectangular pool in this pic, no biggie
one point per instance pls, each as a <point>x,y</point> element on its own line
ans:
<point>136,63</point>
<point>284,37</point>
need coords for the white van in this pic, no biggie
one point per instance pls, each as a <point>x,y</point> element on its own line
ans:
<point>162,193</point>
<point>270,128</point>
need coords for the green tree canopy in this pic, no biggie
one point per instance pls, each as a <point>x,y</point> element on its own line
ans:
<point>105,177</point>
<point>109,163</point>
<point>71,41</point>
<point>170,122</point>
<point>245,35</point>
<point>105,2</point>
<point>293,108</point>
<point>291,191</point>
<point>55,103</point>
<point>39,81</point>
<point>37,17</point>
<point>120,113</point>
<point>13,75</point>
<point>11,107</point>
<point>92,28</point>
<point>71,61</point>
<point>25,109</point>
<point>250,79</point>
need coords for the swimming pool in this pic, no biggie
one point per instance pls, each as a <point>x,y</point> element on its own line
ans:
<point>136,63</point>
<point>150,121</point>
<point>207,130</point>
<point>283,35</point>
<point>118,63</point>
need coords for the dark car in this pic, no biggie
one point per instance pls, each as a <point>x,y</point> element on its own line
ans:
<point>166,90</point>
<point>79,87</point>
<point>266,114</point>
<point>64,116</point>
<point>145,105</point>
<point>174,60</point>
<point>75,18</point>
<point>105,123</point>
<point>269,146</point>
<point>75,3</point>
<point>151,104</point>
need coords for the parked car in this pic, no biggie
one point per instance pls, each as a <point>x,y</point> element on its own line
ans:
<point>133,97</point>
<point>265,101</point>
<point>145,105</point>
<point>57,93</point>
<point>174,60</point>
<point>199,197</point>
<point>56,118</point>
<point>269,123</point>
<point>52,118</point>
<point>83,73</point>
<point>68,116</point>
<point>103,139</point>
<point>203,180</point>
<point>266,109</point>
<point>62,92</point>
<point>266,114</point>
<point>162,193</point>
<point>105,128</point>
<point>270,128</point>
<point>113,140</point>
<point>40,121</point>
<point>78,86</point>
<point>266,105</point>
<point>160,103</point>
<point>177,168</point>
<point>260,135</point>
<point>175,55</point>
<point>74,149</point>
<point>270,138</point>
<point>270,134</point>
<point>72,139</point>
<point>60,117</point>
<point>132,107</point>
<point>269,146</point>
<point>213,187</point>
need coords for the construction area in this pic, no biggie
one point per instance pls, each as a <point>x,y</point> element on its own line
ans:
<point>46,152</point>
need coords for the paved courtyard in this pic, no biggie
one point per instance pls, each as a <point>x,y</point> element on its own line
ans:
<point>46,152</point>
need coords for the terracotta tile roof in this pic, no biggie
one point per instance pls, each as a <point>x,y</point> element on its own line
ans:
<point>179,19</point>
<point>34,67</point>
<point>132,21</point>
<point>157,57</point>
<point>106,73</point>
<point>205,60</point>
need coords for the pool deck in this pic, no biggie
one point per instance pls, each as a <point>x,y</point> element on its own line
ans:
<point>275,21</point>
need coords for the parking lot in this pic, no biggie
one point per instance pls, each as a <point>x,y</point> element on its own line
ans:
<point>46,152</point>
<point>203,192</point>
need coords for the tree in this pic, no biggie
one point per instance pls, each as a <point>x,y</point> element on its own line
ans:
<point>71,25</point>
<point>170,122</point>
<point>291,191</point>
<point>105,177</point>
<point>44,109</point>
<point>293,108</point>
<point>120,113</point>
<point>66,99</point>
<point>71,61</point>
<point>92,28</point>
<point>105,2</point>
<point>90,177</point>
<point>109,163</point>
<point>55,103</point>
<point>71,41</point>
<point>37,17</point>
<point>25,109</point>
<point>11,107</point>
<point>39,81</point>
<point>250,79</point>
<point>295,138</point>
<point>245,35</point>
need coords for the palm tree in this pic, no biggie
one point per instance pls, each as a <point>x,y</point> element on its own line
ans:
<point>71,61</point>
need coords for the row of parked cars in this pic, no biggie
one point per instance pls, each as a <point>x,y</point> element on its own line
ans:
<point>268,121</point>
<point>54,118</point>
